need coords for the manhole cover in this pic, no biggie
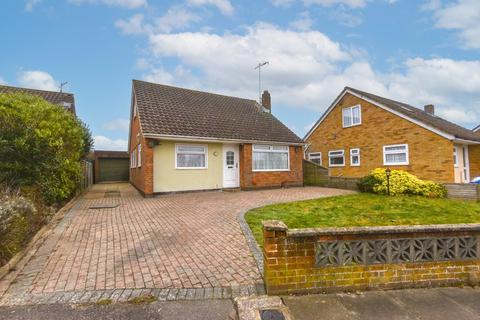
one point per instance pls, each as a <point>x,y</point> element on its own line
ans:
<point>271,314</point>
<point>104,206</point>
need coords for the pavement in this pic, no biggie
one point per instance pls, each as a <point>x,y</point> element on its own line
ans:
<point>115,244</point>
<point>177,310</point>
<point>411,304</point>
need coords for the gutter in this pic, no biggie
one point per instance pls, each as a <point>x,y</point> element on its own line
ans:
<point>220,140</point>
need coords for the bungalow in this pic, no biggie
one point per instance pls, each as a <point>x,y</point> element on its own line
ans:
<point>63,99</point>
<point>361,131</point>
<point>186,140</point>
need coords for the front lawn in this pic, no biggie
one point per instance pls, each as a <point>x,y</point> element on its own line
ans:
<point>364,210</point>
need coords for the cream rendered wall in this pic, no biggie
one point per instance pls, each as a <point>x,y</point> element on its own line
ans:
<point>167,179</point>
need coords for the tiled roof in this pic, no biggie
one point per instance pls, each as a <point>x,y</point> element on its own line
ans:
<point>420,115</point>
<point>51,96</point>
<point>172,111</point>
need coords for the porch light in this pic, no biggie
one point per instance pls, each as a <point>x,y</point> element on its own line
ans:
<point>388,172</point>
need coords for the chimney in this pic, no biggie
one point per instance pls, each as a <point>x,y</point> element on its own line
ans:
<point>430,109</point>
<point>267,101</point>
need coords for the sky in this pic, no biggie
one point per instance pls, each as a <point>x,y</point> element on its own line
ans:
<point>419,52</point>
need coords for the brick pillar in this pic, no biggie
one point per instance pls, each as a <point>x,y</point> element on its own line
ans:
<point>274,257</point>
<point>148,168</point>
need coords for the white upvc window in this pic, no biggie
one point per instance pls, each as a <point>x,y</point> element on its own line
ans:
<point>131,160</point>
<point>336,158</point>
<point>352,116</point>
<point>192,156</point>
<point>315,157</point>
<point>455,157</point>
<point>139,155</point>
<point>270,158</point>
<point>395,155</point>
<point>355,157</point>
<point>134,158</point>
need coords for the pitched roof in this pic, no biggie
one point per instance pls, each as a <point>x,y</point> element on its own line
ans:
<point>413,113</point>
<point>172,111</point>
<point>51,96</point>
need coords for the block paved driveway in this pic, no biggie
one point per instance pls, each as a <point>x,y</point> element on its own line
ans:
<point>179,244</point>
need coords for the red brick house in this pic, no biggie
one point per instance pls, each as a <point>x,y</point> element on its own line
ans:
<point>186,140</point>
<point>63,99</point>
<point>361,131</point>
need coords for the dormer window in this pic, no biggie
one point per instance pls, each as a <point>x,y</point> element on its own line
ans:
<point>352,116</point>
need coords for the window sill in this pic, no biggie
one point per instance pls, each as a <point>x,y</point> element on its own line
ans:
<point>193,168</point>
<point>336,165</point>
<point>353,125</point>
<point>396,164</point>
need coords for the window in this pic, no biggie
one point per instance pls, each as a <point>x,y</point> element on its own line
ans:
<point>355,157</point>
<point>396,155</point>
<point>139,155</point>
<point>190,156</point>
<point>131,160</point>
<point>336,158</point>
<point>133,157</point>
<point>230,159</point>
<point>270,158</point>
<point>315,157</point>
<point>455,157</point>
<point>352,116</point>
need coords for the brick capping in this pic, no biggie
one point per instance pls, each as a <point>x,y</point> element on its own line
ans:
<point>403,229</point>
<point>314,260</point>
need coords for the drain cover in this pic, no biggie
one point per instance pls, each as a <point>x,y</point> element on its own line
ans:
<point>104,206</point>
<point>271,314</point>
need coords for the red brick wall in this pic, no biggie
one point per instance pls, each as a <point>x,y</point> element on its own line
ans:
<point>141,177</point>
<point>253,180</point>
<point>289,263</point>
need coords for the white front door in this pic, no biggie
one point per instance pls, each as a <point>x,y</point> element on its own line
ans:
<point>231,166</point>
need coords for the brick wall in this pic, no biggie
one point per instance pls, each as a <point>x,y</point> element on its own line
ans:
<point>252,180</point>
<point>292,263</point>
<point>141,177</point>
<point>431,156</point>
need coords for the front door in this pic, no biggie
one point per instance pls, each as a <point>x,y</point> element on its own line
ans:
<point>230,166</point>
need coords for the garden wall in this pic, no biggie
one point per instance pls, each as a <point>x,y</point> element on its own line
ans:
<point>362,258</point>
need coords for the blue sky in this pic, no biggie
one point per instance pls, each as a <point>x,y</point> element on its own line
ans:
<point>419,52</point>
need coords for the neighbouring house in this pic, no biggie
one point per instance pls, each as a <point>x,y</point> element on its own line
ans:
<point>185,140</point>
<point>63,99</point>
<point>361,131</point>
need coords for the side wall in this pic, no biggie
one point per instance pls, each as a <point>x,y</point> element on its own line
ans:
<point>272,179</point>
<point>169,179</point>
<point>430,155</point>
<point>141,177</point>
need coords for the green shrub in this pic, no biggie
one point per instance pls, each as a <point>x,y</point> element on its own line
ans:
<point>41,145</point>
<point>367,183</point>
<point>401,182</point>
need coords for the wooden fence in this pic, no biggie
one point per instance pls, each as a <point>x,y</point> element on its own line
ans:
<point>463,191</point>
<point>316,175</point>
<point>86,180</point>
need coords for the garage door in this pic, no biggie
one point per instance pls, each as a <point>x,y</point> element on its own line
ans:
<point>113,169</point>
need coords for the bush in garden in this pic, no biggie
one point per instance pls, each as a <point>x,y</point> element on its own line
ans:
<point>401,182</point>
<point>41,146</point>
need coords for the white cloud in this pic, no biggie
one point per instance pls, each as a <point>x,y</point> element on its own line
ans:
<point>30,4</point>
<point>104,143</point>
<point>329,3</point>
<point>175,18</point>
<point>37,79</point>
<point>223,5</point>
<point>303,23</point>
<point>159,75</point>
<point>282,3</point>
<point>461,16</point>
<point>2,81</point>
<point>117,125</point>
<point>130,4</point>
<point>345,17</point>
<point>133,25</point>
